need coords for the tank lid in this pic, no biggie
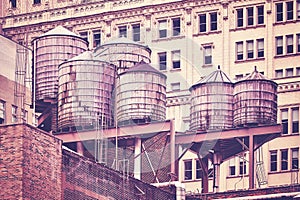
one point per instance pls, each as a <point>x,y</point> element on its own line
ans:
<point>124,40</point>
<point>59,30</point>
<point>255,75</point>
<point>217,76</point>
<point>87,55</point>
<point>142,66</point>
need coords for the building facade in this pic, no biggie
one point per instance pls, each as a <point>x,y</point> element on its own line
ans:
<point>188,40</point>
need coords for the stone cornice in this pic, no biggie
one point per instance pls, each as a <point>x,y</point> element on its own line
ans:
<point>288,87</point>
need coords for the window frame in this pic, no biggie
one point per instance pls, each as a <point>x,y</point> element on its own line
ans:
<point>250,16</point>
<point>136,32</point>
<point>279,47</point>
<point>279,13</point>
<point>260,16</point>
<point>273,162</point>
<point>278,72</point>
<point>295,122</point>
<point>285,121</point>
<point>250,52</point>
<point>202,23</point>
<point>176,59</point>
<point>13,3</point>
<point>199,173</point>
<point>231,167</point>
<point>239,53</point>
<point>176,30</point>
<point>284,162</point>
<point>289,72</point>
<point>123,31</point>
<point>242,166</point>
<point>14,114</point>
<point>162,62</point>
<point>294,159</point>
<point>96,40</point>
<point>207,57</point>
<point>188,171</point>
<point>84,35</point>
<point>289,11</point>
<point>239,17</point>
<point>298,43</point>
<point>213,23</point>
<point>162,31</point>
<point>289,44</point>
<point>35,2</point>
<point>260,51</point>
<point>2,112</point>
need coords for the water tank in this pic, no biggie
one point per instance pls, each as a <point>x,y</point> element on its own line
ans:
<point>49,50</point>
<point>123,52</point>
<point>85,92</point>
<point>255,100</point>
<point>212,102</point>
<point>141,95</point>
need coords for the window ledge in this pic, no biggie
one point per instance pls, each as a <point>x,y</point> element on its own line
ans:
<point>207,33</point>
<point>285,22</point>
<point>249,60</point>
<point>237,176</point>
<point>168,38</point>
<point>283,171</point>
<point>248,27</point>
<point>289,134</point>
<point>163,70</point>
<point>207,65</point>
<point>175,70</point>
<point>287,55</point>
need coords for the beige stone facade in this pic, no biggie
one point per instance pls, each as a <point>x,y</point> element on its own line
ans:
<point>188,40</point>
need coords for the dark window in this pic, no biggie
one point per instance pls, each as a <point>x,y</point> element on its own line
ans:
<point>239,50</point>
<point>295,120</point>
<point>136,32</point>
<point>162,61</point>
<point>96,38</point>
<point>188,170</point>
<point>176,26</point>
<point>2,112</point>
<point>250,19</point>
<point>279,45</point>
<point>199,173</point>
<point>243,167</point>
<point>123,31</point>
<point>202,20</point>
<point>232,167</point>
<point>289,72</point>
<point>289,44</point>
<point>298,9</point>
<point>278,73</point>
<point>208,55</point>
<point>36,1</point>
<point>162,28</point>
<point>298,71</point>
<point>260,48</point>
<point>250,51</point>
<point>289,10</point>
<point>13,3</point>
<point>284,121</point>
<point>273,161</point>
<point>295,158</point>
<point>84,35</point>
<point>279,12</point>
<point>239,17</point>
<point>176,59</point>
<point>260,15</point>
<point>284,159</point>
<point>213,21</point>
<point>298,42</point>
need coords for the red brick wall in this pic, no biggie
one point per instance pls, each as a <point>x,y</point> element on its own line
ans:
<point>84,179</point>
<point>30,163</point>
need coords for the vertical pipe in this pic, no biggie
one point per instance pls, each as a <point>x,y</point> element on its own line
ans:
<point>172,146</point>
<point>137,160</point>
<point>204,181</point>
<point>216,159</point>
<point>251,161</point>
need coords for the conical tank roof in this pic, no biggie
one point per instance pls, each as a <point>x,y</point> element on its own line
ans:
<point>59,30</point>
<point>217,76</point>
<point>255,75</point>
<point>142,66</point>
<point>85,56</point>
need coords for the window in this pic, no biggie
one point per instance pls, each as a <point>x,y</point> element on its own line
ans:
<point>289,72</point>
<point>14,114</point>
<point>298,71</point>
<point>2,112</point>
<point>198,170</point>
<point>202,19</point>
<point>289,10</point>
<point>176,59</point>
<point>13,3</point>
<point>232,167</point>
<point>36,1</point>
<point>84,35</point>
<point>188,170</point>
<point>213,21</point>
<point>162,57</point>
<point>239,13</point>
<point>260,48</point>
<point>278,73</point>
<point>273,161</point>
<point>176,26</point>
<point>239,51</point>
<point>295,158</point>
<point>298,9</point>
<point>284,159</point>
<point>207,55</point>
<point>289,44</point>
<point>279,12</point>
<point>250,19</point>
<point>284,121</point>
<point>122,31</point>
<point>175,86</point>
<point>250,53</point>
<point>136,32</point>
<point>279,45</point>
<point>35,119</point>
<point>243,167</point>
<point>260,15</point>
<point>298,42</point>
<point>239,76</point>
<point>162,26</point>
<point>96,38</point>
<point>24,116</point>
<point>295,120</point>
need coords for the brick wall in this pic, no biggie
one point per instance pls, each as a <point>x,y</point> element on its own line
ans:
<point>85,179</point>
<point>30,163</point>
